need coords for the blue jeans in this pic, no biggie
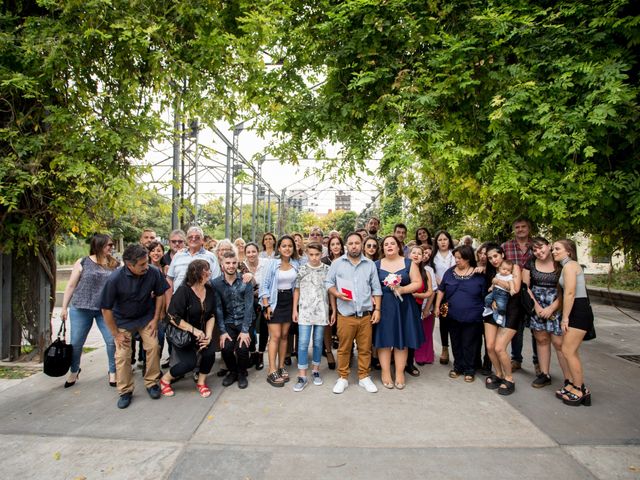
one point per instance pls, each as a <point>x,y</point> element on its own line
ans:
<point>81,322</point>
<point>304,336</point>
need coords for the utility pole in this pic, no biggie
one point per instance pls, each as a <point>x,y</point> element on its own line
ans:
<point>227,199</point>
<point>175,190</point>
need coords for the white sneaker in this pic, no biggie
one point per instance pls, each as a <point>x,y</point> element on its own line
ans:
<point>368,385</point>
<point>341,385</point>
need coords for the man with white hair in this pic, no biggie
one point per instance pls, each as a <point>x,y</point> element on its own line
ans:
<point>181,260</point>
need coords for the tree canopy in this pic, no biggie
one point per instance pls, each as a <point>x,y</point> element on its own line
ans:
<point>498,108</point>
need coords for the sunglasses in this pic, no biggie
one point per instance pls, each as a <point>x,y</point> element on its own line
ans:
<point>177,241</point>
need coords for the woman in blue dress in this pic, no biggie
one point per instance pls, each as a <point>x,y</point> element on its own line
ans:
<point>399,327</point>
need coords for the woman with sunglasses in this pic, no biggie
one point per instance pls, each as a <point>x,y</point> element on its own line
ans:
<point>83,292</point>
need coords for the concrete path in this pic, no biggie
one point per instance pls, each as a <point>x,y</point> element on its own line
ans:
<point>436,428</point>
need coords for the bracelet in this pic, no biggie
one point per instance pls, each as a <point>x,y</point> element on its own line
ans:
<point>376,309</point>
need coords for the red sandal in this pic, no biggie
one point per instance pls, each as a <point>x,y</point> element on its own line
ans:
<point>204,390</point>
<point>165,389</point>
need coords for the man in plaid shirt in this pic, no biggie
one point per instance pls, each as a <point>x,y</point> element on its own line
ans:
<point>519,251</point>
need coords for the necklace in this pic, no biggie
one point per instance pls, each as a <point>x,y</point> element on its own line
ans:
<point>467,272</point>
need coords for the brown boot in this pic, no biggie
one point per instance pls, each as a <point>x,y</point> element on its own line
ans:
<point>444,356</point>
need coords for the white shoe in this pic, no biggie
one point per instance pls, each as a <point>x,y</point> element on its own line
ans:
<point>368,385</point>
<point>341,385</point>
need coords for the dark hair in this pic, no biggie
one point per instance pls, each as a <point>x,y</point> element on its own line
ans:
<point>520,219</point>
<point>539,241</point>
<point>329,254</point>
<point>315,246</point>
<point>300,250</point>
<point>399,225</point>
<point>195,271</point>
<point>154,244</point>
<point>251,244</point>
<point>466,253</point>
<point>351,234</point>
<point>507,262</point>
<point>376,256</point>
<point>446,234</point>
<point>134,253</point>
<point>272,236</point>
<point>400,251</point>
<point>429,240</point>
<point>98,242</point>
<point>490,270</point>
<point>230,254</point>
<point>294,255</point>
<point>374,218</point>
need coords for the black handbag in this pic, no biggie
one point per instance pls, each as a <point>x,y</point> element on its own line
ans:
<point>176,336</point>
<point>58,355</point>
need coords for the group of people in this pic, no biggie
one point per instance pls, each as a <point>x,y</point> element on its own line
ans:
<point>375,299</point>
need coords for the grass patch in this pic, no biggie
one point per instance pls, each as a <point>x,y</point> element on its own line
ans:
<point>14,373</point>
<point>628,281</point>
<point>88,349</point>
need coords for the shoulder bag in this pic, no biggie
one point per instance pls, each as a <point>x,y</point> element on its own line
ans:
<point>57,356</point>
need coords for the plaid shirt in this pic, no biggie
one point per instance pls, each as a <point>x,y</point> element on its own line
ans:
<point>512,252</point>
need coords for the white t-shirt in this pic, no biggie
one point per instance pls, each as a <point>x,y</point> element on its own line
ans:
<point>504,278</point>
<point>286,279</point>
<point>443,263</point>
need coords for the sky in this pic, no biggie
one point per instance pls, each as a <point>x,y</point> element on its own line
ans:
<point>211,174</point>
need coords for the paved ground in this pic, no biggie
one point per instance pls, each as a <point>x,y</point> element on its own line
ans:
<point>437,427</point>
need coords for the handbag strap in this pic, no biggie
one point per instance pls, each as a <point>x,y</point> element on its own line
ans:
<point>62,329</point>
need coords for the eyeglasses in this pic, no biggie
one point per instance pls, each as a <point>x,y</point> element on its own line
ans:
<point>371,245</point>
<point>314,235</point>
<point>177,241</point>
<point>193,237</point>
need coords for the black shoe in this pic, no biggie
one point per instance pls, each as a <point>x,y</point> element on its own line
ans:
<point>287,361</point>
<point>111,384</point>
<point>71,384</point>
<point>229,379</point>
<point>222,372</point>
<point>541,380</point>
<point>294,354</point>
<point>506,387</point>
<point>154,392</point>
<point>125,400</point>
<point>259,361</point>
<point>412,370</point>
<point>242,381</point>
<point>165,365</point>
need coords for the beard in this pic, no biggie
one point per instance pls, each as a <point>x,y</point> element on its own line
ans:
<point>354,254</point>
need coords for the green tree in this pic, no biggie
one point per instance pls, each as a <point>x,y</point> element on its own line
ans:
<point>82,83</point>
<point>515,107</point>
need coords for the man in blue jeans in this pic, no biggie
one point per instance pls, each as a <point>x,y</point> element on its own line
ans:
<point>519,252</point>
<point>234,314</point>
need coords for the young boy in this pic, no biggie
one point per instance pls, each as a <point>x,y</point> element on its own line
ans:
<point>499,295</point>
<point>311,313</point>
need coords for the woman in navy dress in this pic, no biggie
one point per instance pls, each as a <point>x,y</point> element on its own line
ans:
<point>399,327</point>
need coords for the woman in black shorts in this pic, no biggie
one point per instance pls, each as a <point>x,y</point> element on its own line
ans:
<point>499,337</point>
<point>276,295</point>
<point>577,320</point>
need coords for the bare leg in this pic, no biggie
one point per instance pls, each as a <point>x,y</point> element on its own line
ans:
<point>400,357</point>
<point>275,332</point>
<point>543,341</point>
<point>282,349</point>
<point>570,343</point>
<point>503,339</point>
<point>384,355</point>
<point>490,336</point>
<point>557,344</point>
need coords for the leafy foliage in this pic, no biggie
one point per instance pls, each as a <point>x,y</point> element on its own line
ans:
<point>498,108</point>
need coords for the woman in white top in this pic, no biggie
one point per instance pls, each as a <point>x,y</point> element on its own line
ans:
<point>441,262</point>
<point>268,245</point>
<point>276,294</point>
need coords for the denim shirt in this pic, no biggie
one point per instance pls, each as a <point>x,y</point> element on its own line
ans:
<point>363,275</point>
<point>234,303</point>
<point>269,285</point>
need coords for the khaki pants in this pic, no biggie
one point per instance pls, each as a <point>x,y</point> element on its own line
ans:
<point>358,328</point>
<point>124,373</point>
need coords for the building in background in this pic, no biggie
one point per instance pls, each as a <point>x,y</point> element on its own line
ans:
<point>343,200</point>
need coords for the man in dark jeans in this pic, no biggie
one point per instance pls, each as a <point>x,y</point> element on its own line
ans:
<point>234,314</point>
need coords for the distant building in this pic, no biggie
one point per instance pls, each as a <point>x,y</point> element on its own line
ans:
<point>298,199</point>
<point>343,200</point>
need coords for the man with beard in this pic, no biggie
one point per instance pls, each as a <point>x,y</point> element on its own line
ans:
<point>353,281</point>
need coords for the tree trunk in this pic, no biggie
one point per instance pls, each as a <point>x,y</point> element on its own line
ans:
<point>32,300</point>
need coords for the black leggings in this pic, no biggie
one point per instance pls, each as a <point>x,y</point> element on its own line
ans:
<point>263,331</point>
<point>187,359</point>
<point>444,331</point>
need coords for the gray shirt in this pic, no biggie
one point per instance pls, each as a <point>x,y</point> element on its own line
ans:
<point>363,277</point>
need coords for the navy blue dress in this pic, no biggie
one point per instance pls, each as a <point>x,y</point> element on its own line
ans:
<point>400,325</point>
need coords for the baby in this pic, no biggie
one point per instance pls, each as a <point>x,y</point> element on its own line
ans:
<point>500,295</point>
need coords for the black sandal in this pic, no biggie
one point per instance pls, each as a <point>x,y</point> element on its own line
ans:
<point>275,380</point>
<point>282,373</point>
<point>412,370</point>
<point>492,382</point>
<point>506,387</point>
<point>563,390</point>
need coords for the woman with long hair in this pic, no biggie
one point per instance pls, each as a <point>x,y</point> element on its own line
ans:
<point>276,294</point>
<point>192,309</point>
<point>442,261</point>
<point>83,292</point>
<point>240,245</point>
<point>577,320</point>
<point>256,266</point>
<point>498,337</point>
<point>541,275</point>
<point>399,328</point>
<point>423,237</point>
<point>416,254</point>
<point>424,355</point>
<point>268,245</point>
<point>371,248</point>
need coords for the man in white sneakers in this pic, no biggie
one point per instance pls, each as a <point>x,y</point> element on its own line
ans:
<point>353,281</point>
